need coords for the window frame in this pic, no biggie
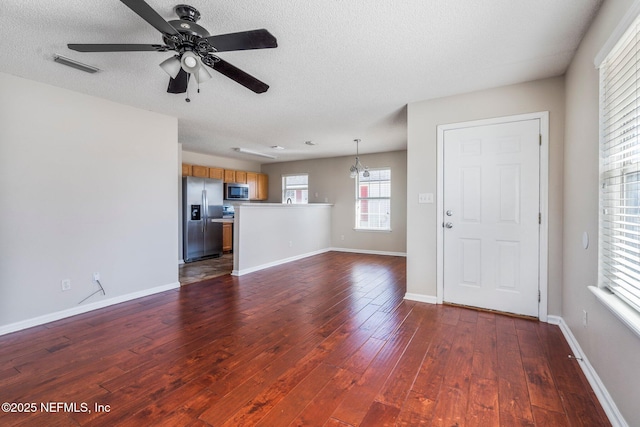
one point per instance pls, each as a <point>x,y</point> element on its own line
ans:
<point>614,182</point>
<point>285,188</point>
<point>358,204</point>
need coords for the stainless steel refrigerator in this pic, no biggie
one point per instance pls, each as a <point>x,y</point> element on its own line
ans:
<point>202,203</point>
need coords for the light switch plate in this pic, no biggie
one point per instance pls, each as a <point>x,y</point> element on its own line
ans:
<point>425,198</point>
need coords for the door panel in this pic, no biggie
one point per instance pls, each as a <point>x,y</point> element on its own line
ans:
<point>491,203</point>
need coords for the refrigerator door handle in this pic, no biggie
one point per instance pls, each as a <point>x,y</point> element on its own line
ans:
<point>205,210</point>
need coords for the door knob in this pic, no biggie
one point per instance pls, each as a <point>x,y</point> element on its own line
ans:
<point>448,225</point>
<point>449,213</point>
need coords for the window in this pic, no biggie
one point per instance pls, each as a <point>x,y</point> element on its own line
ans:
<point>373,200</point>
<point>295,188</point>
<point>619,251</point>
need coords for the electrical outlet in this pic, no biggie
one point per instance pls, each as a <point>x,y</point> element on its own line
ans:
<point>585,318</point>
<point>342,237</point>
<point>65,284</point>
<point>96,277</point>
<point>290,243</point>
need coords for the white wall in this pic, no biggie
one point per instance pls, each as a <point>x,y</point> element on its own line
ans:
<point>329,178</point>
<point>612,349</point>
<point>423,119</point>
<point>86,185</point>
<point>271,234</point>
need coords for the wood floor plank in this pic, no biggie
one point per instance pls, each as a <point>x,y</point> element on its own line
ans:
<point>417,410</point>
<point>360,396</point>
<point>546,418</point>
<point>381,415</point>
<point>483,409</point>
<point>294,402</point>
<point>582,411</point>
<point>451,407</point>
<point>318,409</point>
<point>514,401</point>
<point>395,390</point>
<point>542,389</point>
<point>326,340</point>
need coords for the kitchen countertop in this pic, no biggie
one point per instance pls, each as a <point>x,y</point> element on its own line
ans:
<point>223,220</point>
<point>282,205</point>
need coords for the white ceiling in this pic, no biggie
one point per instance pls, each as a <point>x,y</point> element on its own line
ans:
<point>342,69</point>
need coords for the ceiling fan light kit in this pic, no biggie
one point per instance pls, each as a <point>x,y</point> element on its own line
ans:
<point>195,48</point>
<point>190,62</point>
<point>171,66</point>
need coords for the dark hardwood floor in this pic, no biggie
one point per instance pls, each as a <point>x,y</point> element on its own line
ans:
<point>327,340</point>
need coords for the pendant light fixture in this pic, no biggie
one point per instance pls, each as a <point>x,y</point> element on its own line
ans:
<point>358,167</point>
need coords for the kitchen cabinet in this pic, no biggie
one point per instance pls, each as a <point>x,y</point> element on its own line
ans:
<point>241,177</point>
<point>258,182</point>
<point>216,173</point>
<point>200,171</point>
<point>229,176</point>
<point>227,237</point>
<point>263,187</point>
<point>252,181</point>
<point>258,186</point>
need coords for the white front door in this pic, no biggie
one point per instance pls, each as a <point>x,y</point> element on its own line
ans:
<point>491,203</point>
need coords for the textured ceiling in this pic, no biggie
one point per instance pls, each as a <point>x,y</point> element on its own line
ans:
<point>342,69</point>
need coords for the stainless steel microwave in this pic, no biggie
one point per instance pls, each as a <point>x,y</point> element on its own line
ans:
<point>234,191</point>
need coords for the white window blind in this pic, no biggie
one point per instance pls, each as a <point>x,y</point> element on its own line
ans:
<point>619,251</point>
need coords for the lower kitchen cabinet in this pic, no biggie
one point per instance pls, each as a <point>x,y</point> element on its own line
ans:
<point>227,237</point>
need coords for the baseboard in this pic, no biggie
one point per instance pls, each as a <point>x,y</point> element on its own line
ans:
<point>244,271</point>
<point>369,252</point>
<point>615,417</point>
<point>80,309</point>
<point>421,298</point>
<point>180,261</point>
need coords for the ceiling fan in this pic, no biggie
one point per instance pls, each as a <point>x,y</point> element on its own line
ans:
<point>194,47</point>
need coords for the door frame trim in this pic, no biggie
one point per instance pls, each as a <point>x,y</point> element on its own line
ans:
<point>543,248</point>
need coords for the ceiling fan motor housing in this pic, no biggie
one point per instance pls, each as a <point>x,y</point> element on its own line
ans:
<point>187,13</point>
<point>190,31</point>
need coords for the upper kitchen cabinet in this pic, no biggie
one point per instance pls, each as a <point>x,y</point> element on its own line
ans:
<point>252,181</point>
<point>229,175</point>
<point>186,169</point>
<point>216,173</point>
<point>241,177</point>
<point>200,171</point>
<point>263,187</point>
<point>258,186</point>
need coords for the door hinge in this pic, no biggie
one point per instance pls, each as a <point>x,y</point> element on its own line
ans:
<point>538,296</point>
<point>540,139</point>
<point>539,218</point>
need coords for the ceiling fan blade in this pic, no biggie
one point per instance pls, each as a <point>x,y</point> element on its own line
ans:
<point>254,39</point>
<point>111,47</point>
<point>180,83</point>
<point>239,76</point>
<point>147,13</point>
